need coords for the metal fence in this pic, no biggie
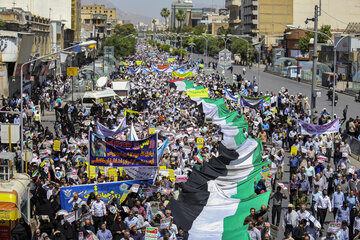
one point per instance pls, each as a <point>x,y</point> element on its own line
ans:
<point>354,145</point>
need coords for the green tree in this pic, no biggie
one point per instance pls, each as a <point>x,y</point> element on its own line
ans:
<point>187,29</point>
<point>125,29</point>
<point>180,17</point>
<point>305,41</point>
<point>165,13</point>
<point>153,22</point>
<point>240,46</point>
<point>200,29</point>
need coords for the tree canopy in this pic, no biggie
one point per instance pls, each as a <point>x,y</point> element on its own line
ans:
<point>305,41</point>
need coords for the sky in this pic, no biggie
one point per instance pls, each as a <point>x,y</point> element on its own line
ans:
<point>152,8</point>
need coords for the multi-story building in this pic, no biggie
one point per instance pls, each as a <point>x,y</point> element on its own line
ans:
<point>265,18</point>
<point>99,9</point>
<point>334,12</point>
<point>97,21</point>
<point>186,5</point>
<point>67,11</point>
<point>234,7</point>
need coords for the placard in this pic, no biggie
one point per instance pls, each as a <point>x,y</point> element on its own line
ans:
<point>151,234</point>
<point>57,145</point>
<point>164,223</point>
<point>70,217</point>
<point>181,178</point>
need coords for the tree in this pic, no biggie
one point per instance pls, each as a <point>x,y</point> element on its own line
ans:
<point>240,46</point>
<point>223,31</point>
<point>122,46</point>
<point>180,17</point>
<point>165,13</point>
<point>200,29</point>
<point>304,41</point>
<point>153,22</point>
<point>125,30</point>
<point>187,29</point>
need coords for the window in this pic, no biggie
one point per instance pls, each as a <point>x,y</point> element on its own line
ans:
<point>87,21</point>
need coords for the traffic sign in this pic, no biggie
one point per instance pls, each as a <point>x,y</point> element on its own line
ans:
<point>72,71</point>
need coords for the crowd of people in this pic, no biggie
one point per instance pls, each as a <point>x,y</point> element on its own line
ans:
<point>321,177</point>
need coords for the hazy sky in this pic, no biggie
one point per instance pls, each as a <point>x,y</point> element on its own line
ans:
<point>152,8</point>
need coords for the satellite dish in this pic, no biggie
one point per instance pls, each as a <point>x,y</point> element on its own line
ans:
<point>101,82</point>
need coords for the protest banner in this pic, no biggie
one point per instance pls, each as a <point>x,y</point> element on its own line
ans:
<point>312,129</point>
<point>334,227</point>
<point>141,173</point>
<point>57,145</point>
<point>92,172</point>
<point>151,129</point>
<point>266,173</point>
<point>164,223</point>
<point>200,142</point>
<point>70,217</point>
<point>313,219</point>
<point>108,191</point>
<point>115,153</point>
<point>274,231</point>
<point>282,186</point>
<point>171,59</point>
<point>294,150</point>
<point>351,169</point>
<point>268,182</point>
<point>135,188</point>
<point>151,233</point>
<point>322,158</point>
<point>181,178</point>
<point>154,207</point>
<point>198,93</point>
<point>171,175</point>
<point>112,172</point>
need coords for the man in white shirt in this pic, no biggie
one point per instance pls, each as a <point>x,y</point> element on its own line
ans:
<point>98,211</point>
<point>290,219</point>
<point>303,213</point>
<point>322,205</point>
<point>254,233</point>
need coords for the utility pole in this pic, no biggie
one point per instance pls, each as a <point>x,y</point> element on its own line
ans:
<point>315,58</point>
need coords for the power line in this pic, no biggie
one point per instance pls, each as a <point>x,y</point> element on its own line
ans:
<point>334,17</point>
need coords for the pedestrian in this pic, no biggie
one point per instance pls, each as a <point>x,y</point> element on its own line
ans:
<point>277,198</point>
<point>290,219</point>
<point>98,210</point>
<point>322,205</point>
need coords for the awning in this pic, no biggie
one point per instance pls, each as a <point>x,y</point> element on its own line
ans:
<point>8,211</point>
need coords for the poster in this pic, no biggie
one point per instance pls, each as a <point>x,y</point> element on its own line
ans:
<point>164,223</point>
<point>107,191</point>
<point>200,142</point>
<point>57,145</point>
<point>151,233</point>
<point>294,150</point>
<point>274,231</point>
<point>311,129</point>
<point>181,178</point>
<point>70,217</point>
<point>115,153</point>
<point>154,207</point>
<point>135,188</point>
<point>141,173</point>
<point>198,93</point>
<point>334,227</point>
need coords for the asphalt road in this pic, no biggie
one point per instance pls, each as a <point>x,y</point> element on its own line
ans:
<point>273,83</point>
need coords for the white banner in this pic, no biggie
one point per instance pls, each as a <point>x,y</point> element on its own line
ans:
<point>141,173</point>
<point>311,129</point>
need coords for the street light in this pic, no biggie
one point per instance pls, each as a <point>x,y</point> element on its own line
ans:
<point>335,59</point>
<point>83,44</point>
<point>206,46</point>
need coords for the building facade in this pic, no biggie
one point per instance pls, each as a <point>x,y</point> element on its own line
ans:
<point>67,11</point>
<point>186,5</point>
<point>99,9</point>
<point>335,13</point>
<point>234,7</point>
<point>266,18</point>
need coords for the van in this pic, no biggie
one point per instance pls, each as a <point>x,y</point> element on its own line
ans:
<point>99,97</point>
<point>121,88</point>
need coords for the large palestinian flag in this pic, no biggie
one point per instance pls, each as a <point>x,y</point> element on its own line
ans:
<point>215,201</point>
